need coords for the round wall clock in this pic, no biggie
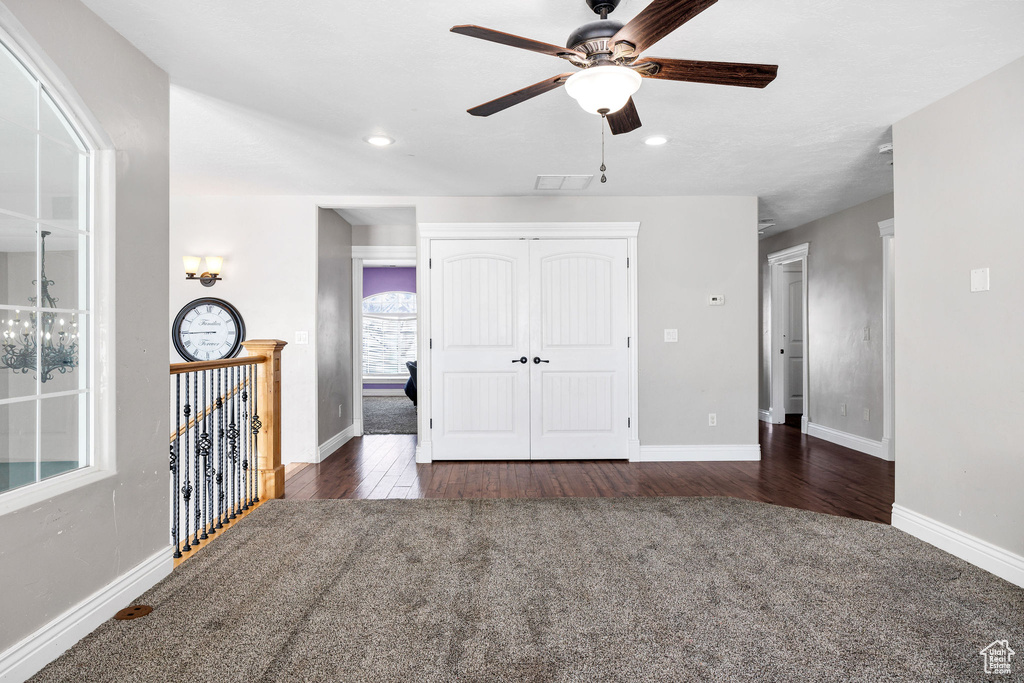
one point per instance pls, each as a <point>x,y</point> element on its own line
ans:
<point>208,329</point>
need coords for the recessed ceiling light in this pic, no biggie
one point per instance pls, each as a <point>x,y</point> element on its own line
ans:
<point>655,140</point>
<point>380,140</point>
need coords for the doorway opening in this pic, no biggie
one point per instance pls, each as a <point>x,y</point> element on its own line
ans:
<point>389,343</point>
<point>788,322</point>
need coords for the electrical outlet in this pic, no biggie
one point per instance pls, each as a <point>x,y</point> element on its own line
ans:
<point>842,409</point>
<point>867,415</point>
<point>712,419</point>
<point>671,335</point>
<point>339,409</point>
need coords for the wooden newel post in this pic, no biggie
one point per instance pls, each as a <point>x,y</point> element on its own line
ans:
<point>268,402</point>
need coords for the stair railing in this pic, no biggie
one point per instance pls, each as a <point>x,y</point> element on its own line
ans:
<point>225,450</point>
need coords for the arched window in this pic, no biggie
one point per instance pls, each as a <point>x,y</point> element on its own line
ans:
<point>389,334</point>
<point>45,281</point>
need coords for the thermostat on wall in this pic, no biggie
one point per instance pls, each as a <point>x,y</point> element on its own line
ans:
<point>716,300</point>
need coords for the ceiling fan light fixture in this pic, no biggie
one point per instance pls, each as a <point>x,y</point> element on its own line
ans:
<point>603,88</point>
<point>655,140</point>
<point>380,140</point>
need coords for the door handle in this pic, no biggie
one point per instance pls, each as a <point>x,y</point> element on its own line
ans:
<point>522,360</point>
<point>538,361</point>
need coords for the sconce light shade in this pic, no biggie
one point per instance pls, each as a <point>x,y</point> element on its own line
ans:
<point>207,278</point>
<point>191,264</point>
<point>213,264</point>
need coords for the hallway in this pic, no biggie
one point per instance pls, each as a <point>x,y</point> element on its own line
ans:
<point>795,470</point>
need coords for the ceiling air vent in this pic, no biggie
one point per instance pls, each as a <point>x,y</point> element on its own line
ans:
<point>563,182</point>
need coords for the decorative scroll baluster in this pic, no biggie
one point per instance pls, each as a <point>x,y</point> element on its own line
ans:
<point>245,437</point>
<point>186,487</point>
<point>196,431</point>
<point>174,468</point>
<point>256,427</point>
<point>207,444</point>
<point>219,443</point>
<point>232,453</point>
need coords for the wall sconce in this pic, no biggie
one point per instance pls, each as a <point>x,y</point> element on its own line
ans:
<point>212,273</point>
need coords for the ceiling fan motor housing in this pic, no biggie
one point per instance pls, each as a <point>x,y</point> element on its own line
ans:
<point>593,37</point>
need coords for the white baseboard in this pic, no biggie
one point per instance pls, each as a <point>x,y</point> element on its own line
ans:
<point>27,657</point>
<point>857,443</point>
<point>708,453</point>
<point>424,454</point>
<point>633,450</point>
<point>383,392</point>
<point>764,416</point>
<point>357,426</point>
<point>335,442</point>
<point>991,558</point>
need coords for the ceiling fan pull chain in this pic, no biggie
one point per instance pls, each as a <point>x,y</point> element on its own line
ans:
<point>604,115</point>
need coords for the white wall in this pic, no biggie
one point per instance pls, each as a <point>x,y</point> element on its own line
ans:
<point>55,554</point>
<point>959,178</point>
<point>689,247</point>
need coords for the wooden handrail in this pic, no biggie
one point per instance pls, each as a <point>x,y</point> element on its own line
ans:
<point>196,366</point>
<point>209,409</point>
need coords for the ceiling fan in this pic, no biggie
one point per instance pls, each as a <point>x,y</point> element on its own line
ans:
<point>608,52</point>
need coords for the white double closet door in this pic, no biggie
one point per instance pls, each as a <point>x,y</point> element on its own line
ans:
<point>529,349</point>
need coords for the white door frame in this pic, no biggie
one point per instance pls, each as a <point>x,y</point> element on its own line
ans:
<point>425,232</point>
<point>887,230</point>
<point>368,257</point>
<point>777,408</point>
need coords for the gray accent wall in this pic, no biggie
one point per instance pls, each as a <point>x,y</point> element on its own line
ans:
<point>959,178</point>
<point>333,324</point>
<point>844,295</point>
<point>384,235</point>
<point>57,553</point>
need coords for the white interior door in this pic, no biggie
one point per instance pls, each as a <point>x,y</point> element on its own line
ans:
<point>793,341</point>
<point>480,329</point>
<point>578,330</point>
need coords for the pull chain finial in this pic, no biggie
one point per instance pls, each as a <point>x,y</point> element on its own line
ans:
<point>604,115</point>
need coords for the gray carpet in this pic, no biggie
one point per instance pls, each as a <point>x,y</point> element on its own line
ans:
<point>659,589</point>
<point>388,415</point>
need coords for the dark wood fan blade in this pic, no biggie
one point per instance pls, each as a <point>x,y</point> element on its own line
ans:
<point>720,73</point>
<point>517,41</point>
<point>513,98</point>
<point>624,120</point>
<point>657,20</point>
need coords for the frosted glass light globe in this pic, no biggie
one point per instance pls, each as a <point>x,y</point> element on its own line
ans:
<point>603,87</point>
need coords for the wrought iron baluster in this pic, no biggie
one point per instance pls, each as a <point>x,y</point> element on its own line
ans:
<point>204,453</point>
<point>208,425</point>
<point>245,441</point>
<point>174,466</point>
<point>186,487</point>
<point>232,451</point>
<point>256,426</point>
<point>220,449</point>
<point>200,482</point>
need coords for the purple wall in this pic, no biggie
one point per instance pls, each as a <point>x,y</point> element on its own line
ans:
<point>377,280</point>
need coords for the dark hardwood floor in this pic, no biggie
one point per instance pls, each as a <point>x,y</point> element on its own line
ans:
<point>795,470</point>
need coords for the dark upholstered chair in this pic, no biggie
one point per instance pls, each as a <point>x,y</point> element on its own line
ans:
<point>410,384</point>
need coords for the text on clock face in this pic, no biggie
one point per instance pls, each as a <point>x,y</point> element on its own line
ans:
<point>215,326</point>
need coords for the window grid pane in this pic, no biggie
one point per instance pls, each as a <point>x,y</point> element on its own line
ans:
<point>44,386</point>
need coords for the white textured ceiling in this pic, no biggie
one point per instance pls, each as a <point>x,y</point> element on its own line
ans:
<point>273,96</point>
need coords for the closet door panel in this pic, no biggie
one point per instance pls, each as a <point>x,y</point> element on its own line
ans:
<point>578,331</point>
<point>480,400</point>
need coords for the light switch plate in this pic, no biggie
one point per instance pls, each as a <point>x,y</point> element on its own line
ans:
<point>979,280</point>
<point>716,300</point>
<point>301,337</point>
<point>671,335</point>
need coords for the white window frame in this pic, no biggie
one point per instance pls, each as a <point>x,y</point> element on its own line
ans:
<point>388,378</point>
<point>99,356</point>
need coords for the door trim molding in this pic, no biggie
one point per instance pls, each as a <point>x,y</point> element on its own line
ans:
<point>887,231</point>
<point>776,260</point>
<point>426,232</point>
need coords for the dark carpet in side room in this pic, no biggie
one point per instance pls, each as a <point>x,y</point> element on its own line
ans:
<point>583,589</point>
<point>388,415</point>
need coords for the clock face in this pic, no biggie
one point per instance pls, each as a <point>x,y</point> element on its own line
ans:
<point>208,329</point>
